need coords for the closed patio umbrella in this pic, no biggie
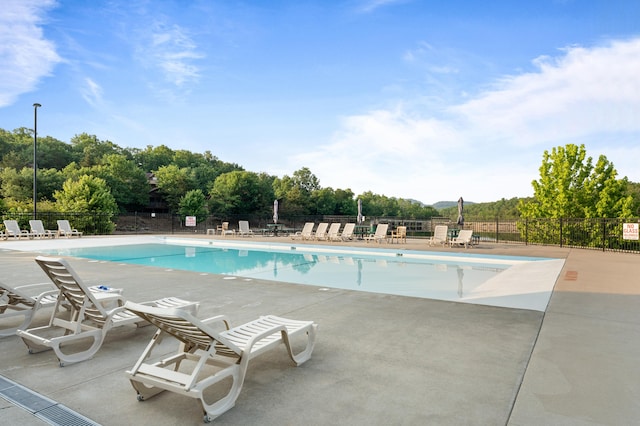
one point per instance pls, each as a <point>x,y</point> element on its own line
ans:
<point>360,218</point>
<point>460,211</point>
<point>275,211</point>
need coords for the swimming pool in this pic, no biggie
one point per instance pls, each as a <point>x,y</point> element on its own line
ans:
<point>521,282</point>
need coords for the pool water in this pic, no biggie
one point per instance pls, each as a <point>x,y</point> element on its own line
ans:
<point>399,275</point>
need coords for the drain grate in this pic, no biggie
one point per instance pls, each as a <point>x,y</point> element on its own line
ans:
<point>44,408</point>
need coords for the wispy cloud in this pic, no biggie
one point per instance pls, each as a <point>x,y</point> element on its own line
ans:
<point>26,56</point>
<point>92,92</point>
<point>584,95</point>
<point>369,6</point>
<point>170,48</point>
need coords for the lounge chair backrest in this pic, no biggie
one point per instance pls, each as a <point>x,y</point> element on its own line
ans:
<point>347,232</point>
<point>440,233</point>
<point>12,296</point>
<point>321,232</point>
<point>464,235</point>
<point>36,226</point>
<point>381,230</point>
<point>12,227</point>
<point>334,230</point>
<point>72,288</point>
<point>307,230</point>
<point>185,327</point>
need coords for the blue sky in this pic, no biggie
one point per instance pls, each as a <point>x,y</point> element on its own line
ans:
<point>406,98</point>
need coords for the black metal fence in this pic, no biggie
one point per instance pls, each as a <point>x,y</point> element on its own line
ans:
<point>598,234</point>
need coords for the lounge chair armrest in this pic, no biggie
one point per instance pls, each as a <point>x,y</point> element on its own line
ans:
<point>48,285</point>
<point>218,318</point>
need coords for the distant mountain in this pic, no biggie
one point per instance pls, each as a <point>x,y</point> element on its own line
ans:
<point>444,204</point>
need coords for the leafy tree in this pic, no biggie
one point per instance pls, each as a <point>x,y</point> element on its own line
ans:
<point>296,191</point>
<point>633,189</point>
<point>571,187</point>
<point>88,194</point>
<point>151,159</point>
<point>194,203</point>
<point>241,192</point>
<point>127,181</point>
<point>53,153</point>
<point>173,183</point>
<point>88,150</point>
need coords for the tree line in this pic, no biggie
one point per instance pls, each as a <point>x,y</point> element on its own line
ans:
<point>92,175</point>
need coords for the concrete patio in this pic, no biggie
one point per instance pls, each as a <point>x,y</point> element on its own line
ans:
<point>379,359</point>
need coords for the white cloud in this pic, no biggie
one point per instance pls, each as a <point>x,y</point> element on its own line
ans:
<point>369,6</point>
<point>171,49</point>
<point>26,56</point>
<point>92,92</point>
<point>491,146</point>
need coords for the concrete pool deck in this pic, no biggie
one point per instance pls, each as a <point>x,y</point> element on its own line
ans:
<point>379,359</point>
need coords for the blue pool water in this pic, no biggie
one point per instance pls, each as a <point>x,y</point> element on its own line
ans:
<point>444,277</point>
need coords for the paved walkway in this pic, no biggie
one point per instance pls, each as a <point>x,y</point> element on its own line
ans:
<point>379,359</point>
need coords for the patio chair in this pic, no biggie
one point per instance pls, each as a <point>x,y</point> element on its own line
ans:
<point>210,343</point>
<point>399,234</point>
<point>380,234</point>
<point>243,229</point>
<point>223,229</point>
<point>89,319</point>
<point>306,233</point>
<point>347,231</point>
<point>440,234</point>
<point>333,234</point>
<point>65,229</point>
<point>37,229</point>
<point>12,229</point>
<point>321,231</point>
<point>464,237</point>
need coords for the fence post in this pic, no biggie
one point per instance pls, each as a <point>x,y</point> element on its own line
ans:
<point>497,230</point>
<point>604,234</point>
<point>561,232</point>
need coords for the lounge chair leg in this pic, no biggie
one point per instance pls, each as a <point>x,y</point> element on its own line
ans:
<point>143,391</point>
<point>224,404</point>
<point>304,355</point>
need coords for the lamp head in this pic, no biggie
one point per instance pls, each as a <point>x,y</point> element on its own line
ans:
<point>36,105</point>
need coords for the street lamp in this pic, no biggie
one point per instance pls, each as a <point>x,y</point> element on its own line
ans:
<point>35,167</point>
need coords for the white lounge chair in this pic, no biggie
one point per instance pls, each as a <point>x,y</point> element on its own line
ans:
<point>243,229</point>
<point>12,229</point>
<point>65,229</point>
<point>347,232</point>
<point>18,302</point>
<point>25,300</point>
<point>380,234</point>
<point>306,233</point>
<point>37,229</point>
<point>203,346</point>
<point>440,235</point>
<point>464,237</point>
<point>321,231</point>
<point>89,318</point>
<point>333,234</point>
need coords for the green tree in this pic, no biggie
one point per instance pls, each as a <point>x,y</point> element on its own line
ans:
<point>127,182</point>
<point>88,194</point>
<point>173,183</point>
<point>194,203</point>
<point>571,187</point>
<point>296,191</point>
<point>241,192</point>
<point>88,150</point>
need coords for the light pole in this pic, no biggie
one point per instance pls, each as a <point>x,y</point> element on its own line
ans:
<point>35,167</point>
